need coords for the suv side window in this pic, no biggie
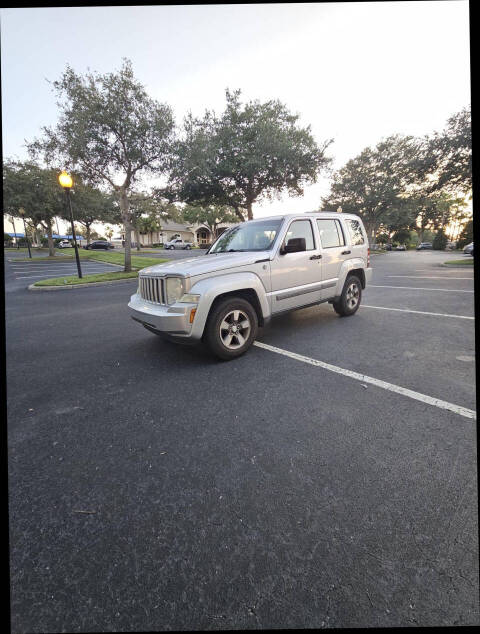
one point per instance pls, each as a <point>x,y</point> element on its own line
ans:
<point>331,234</point>
<point>301,229</point>
<point>356,232</point>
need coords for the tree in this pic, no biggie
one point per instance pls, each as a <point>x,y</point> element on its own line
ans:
<point>248,153</point>
<point>375,184</point>
<point>111,131</point>
<point>466,235</point>
<point>434,210</point>
<point>27,185</point>
<point>91,205</point>
<point>209,215</point>
<point>448,155</point>
<point>440,241</point>
<point>147,213</point>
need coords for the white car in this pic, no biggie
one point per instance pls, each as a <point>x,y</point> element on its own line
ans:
<point>178,243</point>
<point>64,244</point>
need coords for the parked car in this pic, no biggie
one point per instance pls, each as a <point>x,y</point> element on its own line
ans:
<point>253,271</point>
<point>99,244</point>
<point>424,245</point>
<point>468,249</point>
<point>388,247</point>
<point>64,244</point>
<point>400,247</point>
<point>178,243</point>
<point>451,245</point>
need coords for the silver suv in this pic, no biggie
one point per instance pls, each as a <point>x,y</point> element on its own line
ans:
<point>254,271</point>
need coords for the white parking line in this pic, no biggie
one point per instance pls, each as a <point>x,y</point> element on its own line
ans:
<point>431,277</point>
<point>424,398</point>
<point>62,274</point>
<point>415,288</point>
<point>418,312</point>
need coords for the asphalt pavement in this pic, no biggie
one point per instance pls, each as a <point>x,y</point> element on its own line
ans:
<point>153,487</point>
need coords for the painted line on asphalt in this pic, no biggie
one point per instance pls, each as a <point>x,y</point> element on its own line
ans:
<point>391,387</point>
<point>63,274</point>
<point>417,312</point>
<point>432,277</point>
<point>415,288</point>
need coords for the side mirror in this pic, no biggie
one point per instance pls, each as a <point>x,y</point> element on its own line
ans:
<point>294,245</point>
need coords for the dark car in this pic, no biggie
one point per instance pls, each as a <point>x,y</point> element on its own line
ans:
<point>99,244</point>
<point>388,247</point>
<point>424,245</point>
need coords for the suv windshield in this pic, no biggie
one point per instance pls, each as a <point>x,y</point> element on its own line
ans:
<point>257,235</point>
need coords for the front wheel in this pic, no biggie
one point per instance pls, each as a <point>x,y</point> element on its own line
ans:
<point>349,301</point>
<point>231,328</point>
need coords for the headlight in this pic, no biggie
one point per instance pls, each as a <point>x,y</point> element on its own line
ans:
<point>174,289</point>
<point>189,298</point>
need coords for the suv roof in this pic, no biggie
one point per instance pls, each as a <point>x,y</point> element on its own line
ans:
<point>322,214</point>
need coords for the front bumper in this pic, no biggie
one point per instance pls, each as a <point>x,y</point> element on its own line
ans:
<point>172,321</point>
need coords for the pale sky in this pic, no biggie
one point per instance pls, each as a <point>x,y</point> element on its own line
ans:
<point>354,71</point>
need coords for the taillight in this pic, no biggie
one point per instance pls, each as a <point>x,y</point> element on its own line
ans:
<point>368,258</point>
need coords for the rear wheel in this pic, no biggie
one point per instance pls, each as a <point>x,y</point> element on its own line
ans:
<point>349,301</point>
<point>231,328</point>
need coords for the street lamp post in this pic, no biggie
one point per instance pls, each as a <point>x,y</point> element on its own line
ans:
<point>66,182</point>
<point>21,211</point>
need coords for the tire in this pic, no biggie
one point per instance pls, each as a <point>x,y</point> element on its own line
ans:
<point>188,247</point>
<point>221,328</point>
<point>351,297</point>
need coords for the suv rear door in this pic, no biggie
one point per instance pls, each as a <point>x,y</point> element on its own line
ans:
<point>335,250</point>
<point>358,239</point>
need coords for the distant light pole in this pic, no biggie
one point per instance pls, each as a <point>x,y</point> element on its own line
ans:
<point>17,244</point>
<point>21,211</point>
<point>66,182</point>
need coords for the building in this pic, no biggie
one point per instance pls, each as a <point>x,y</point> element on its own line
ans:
<point>197,234</point>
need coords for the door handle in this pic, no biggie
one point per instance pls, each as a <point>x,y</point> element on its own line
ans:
<point>315,257</point>
<point>346,252</point>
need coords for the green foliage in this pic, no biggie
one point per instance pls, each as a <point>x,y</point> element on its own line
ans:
<point>109,130</point>
<point>250,152</point>
<point>211,216</point>
<point>440,241</point>
<point>374,184</point>
<point>26,185</point>
<point>466,235</point>
<point>448,155</point>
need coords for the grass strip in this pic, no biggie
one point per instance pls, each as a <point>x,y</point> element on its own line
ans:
<point>468,262</point>
<point>138,262</point>
<point>73,280</point>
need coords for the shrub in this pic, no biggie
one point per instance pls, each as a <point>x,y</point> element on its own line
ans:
<point>440,241</point>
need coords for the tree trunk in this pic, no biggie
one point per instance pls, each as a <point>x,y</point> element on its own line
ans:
<point>128,229</point>
<point>51,246</point>
<point>238,213</point>
<point>249,210</point>
<point>88,233</point>
<point>137,239</point>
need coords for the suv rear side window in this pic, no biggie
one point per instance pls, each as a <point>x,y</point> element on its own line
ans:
<point>331,234</point>
<point>301,229</point>
<point>355,232</point>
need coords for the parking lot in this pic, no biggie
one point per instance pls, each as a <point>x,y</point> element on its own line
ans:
<point>327,478</point>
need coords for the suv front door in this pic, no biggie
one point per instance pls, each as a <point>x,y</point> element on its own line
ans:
<point>296,277</point>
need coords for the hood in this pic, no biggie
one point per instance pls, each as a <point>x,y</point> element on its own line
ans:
<point>202,264</point>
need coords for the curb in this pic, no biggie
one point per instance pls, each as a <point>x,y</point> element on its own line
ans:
<point>70,287</point>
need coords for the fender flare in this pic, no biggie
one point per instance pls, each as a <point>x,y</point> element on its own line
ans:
<point>211,287</point>
<point>347,266</point>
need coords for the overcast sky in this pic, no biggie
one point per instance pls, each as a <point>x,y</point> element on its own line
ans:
<point>353,71</point>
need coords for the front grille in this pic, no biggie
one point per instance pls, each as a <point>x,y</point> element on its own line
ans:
<point>153,289</point>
